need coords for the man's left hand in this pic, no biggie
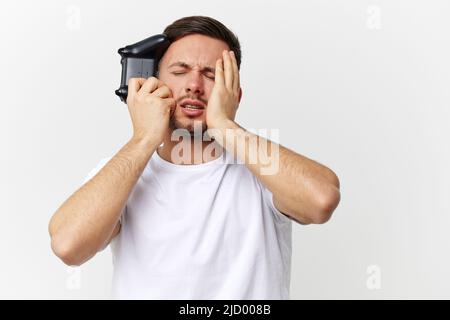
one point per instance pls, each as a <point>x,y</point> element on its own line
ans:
<point>226,93</point>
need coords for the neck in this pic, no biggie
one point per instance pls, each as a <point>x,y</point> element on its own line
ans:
<point>188,150</point>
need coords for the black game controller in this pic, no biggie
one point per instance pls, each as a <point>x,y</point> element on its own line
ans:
<point>140,60</point>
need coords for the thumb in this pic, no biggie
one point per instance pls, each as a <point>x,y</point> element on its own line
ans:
<point>173,105</point>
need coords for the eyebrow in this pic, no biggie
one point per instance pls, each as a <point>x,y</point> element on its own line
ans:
<point>187,66</point>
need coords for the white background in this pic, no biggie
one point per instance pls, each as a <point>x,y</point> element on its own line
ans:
<point>361,86</point>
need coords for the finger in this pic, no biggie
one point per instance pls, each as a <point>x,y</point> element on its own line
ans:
<point>218,77</point>
<point>150,85</point>
<point>163,92</point>
<point>236,82</point>
<point>228,70</point>
<point>172,103</point>
<point>134,84</point>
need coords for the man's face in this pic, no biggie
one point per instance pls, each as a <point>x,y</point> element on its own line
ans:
<point>188,68</point>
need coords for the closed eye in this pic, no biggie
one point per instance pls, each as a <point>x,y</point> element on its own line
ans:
<point>209,75</point>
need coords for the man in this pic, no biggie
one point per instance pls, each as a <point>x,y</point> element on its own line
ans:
<point>184,220</point>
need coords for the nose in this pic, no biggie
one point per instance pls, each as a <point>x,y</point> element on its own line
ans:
<point>195,86</point>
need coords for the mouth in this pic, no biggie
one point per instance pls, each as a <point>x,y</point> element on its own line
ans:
<point>192,108</point>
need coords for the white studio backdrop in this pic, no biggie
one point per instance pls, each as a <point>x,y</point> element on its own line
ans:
<point>361,86</point>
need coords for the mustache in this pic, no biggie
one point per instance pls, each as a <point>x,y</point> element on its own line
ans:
<point>205,102</point>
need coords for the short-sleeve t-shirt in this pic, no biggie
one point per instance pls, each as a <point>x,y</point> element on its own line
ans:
<point>202,231</point>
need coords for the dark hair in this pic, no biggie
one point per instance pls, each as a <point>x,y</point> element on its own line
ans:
<point>206,26</point>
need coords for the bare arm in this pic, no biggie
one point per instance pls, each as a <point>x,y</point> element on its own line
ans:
<point>88,219</point>
<point>302,188</point>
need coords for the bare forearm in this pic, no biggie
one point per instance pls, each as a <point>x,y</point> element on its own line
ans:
<point>83,223</point>
<point>303,188</point>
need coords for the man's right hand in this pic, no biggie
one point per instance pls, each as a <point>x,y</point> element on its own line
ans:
<point>150,103</point>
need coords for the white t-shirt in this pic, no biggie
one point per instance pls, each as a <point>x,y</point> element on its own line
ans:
<point>206,231</point>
